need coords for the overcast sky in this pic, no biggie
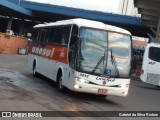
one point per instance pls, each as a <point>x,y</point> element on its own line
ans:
<point>99,5</point>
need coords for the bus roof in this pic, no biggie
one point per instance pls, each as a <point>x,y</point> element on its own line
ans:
<point>78,21</point>
<point>84,23</point>
<point>117,29</point>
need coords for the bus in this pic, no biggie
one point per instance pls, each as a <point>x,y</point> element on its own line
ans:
<point>83,55</point>
<point>150,72</point>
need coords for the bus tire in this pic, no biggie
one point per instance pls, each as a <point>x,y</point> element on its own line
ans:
<point>35,74</point>
<point>59,81</point>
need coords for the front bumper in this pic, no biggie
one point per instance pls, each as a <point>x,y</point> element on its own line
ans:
<point>96,89</point>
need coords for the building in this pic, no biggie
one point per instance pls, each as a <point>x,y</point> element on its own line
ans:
<point>126,7</point>
<point>139,42</point>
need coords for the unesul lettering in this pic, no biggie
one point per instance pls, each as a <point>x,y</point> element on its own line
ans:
<point>43,51</point>
<point>106,79</point>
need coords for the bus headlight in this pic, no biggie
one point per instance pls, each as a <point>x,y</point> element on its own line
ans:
<point>81,80</point>
<point>76,86</point>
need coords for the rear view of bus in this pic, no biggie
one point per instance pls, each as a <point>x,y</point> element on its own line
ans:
<point>150,72</point>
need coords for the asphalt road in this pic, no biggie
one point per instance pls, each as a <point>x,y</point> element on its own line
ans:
<point>20,91</point>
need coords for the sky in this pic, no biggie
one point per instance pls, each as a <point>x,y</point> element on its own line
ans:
<point>110,6</point>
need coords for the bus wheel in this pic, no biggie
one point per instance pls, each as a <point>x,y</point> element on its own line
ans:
<point>35,74</point>
<point>59,81</point>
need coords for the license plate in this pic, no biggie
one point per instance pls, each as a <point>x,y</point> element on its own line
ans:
<point>102,90</point>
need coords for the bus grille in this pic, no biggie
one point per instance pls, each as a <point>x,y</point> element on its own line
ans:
<point>153,78</point>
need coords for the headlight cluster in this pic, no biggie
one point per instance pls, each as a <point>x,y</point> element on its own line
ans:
<point>81,80</point>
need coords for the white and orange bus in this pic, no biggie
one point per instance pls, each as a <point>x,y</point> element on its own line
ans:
<point>83,55</point>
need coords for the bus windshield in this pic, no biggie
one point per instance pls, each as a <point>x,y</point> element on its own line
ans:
<point>94,55</point>
<point>92,50</point>
<point>119,63</point>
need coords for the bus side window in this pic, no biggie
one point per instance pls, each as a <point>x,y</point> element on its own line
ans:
<point>48,32</point>
<point>59,35</point>
<point>73,39</point>
<point>154,53</point>
<point>52,35</point>
<point>65,36</point>
<point>39,35</point>
<point>42,36</point>
<point>73,35</point>
<point>34,35</point>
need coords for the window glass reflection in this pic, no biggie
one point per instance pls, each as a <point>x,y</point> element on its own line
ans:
<point>93,44</point>
<point>120,45</point>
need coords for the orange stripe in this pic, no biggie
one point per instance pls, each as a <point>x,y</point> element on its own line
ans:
<point>57,53</point>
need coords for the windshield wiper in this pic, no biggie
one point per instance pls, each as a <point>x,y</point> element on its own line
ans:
<point>99,62</point>
<point>114,63</point>
<point>97,65</point>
